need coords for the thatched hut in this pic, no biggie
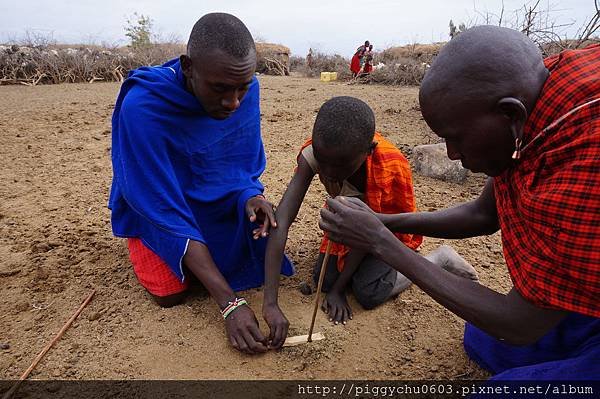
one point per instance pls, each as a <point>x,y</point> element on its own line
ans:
<point>273,59</point>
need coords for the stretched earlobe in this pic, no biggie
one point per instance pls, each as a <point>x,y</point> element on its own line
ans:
<point>515,110</point>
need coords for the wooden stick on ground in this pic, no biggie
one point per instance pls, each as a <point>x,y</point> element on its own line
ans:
<point>319,285</point>
<point>39,357</point>
<point>302,339</point>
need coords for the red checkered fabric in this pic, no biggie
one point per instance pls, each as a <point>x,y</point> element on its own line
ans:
<point>152,272</point>
<point>549,204</point>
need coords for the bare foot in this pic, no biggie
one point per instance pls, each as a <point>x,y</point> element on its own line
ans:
<point>448,259</point>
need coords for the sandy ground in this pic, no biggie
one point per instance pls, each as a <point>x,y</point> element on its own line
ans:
<point>56,245</point>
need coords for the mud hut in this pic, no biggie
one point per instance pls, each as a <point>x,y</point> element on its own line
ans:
<point>273,59</point>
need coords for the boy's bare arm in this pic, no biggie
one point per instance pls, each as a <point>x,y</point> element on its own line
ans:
<point>471,219</point>
<point>286,213</point>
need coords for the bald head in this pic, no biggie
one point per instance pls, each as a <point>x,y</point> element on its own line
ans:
<point>478,95</point>
<point>484,64</point>
<point>222,32</point>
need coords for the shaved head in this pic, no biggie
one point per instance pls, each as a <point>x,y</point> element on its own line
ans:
<point>220,63</point>
<point>478,95</point>
<point>345,123</point>
<point>222,32</point>
<point>484,64</point>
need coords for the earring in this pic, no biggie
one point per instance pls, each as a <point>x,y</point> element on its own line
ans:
<point>517,153</point>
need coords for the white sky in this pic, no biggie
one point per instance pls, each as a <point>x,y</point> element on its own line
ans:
<point>331,26</point>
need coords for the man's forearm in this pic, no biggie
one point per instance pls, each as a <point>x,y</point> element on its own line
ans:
<point>507,317</point>
<point>461,221</point>
<point>199,261</point>
<point>473,218</point>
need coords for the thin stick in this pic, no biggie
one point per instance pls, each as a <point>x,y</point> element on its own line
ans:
<point>39,357</point>
<point>321,277</point>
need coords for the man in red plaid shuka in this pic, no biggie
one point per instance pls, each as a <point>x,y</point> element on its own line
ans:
<point>533,126</point>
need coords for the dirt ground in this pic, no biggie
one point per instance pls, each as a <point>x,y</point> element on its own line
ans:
<point>56,245</point>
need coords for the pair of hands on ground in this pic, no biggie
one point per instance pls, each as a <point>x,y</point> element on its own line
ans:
<point>245,335</point>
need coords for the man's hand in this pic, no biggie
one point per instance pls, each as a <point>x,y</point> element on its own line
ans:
<point>351,222</point>
<point>261,211</point>
<point>278,325</point>
<point>336,306</point>
<point>243,332</point>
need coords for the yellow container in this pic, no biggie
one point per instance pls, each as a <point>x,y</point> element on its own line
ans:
<point>328,76</point>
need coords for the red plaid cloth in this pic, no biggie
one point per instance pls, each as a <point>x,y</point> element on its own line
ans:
<point>152,272</point>
<point>549,205</point>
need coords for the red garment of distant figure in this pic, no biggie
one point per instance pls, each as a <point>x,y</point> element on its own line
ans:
<point>355,64</point>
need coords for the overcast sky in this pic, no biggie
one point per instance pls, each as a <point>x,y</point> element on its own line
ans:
<point>331,26</point>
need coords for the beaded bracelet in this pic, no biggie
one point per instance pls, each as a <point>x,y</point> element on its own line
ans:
<point>233,306</point>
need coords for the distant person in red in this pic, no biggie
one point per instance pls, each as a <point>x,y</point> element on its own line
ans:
<point>355,64</point>
<point>368,61</point>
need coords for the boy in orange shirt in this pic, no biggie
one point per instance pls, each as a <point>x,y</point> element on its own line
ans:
<point>352,160</point>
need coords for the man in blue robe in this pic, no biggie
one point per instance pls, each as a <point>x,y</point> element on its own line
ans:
<point>187,156</point>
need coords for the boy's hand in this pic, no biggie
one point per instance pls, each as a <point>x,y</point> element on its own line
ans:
<point>261,211</point>
<point>336,306</point>
<point>243,332</point>
<point>278,325</point>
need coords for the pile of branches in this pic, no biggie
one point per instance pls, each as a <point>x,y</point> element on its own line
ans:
<point>397,71</point>
<point>38,65</point>
<point>52,64</point>
<point>32,66</point>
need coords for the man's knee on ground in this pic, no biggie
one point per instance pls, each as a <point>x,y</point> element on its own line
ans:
<point>169,300</point>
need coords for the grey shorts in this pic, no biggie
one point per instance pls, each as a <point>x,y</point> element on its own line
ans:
<point>372,283</point>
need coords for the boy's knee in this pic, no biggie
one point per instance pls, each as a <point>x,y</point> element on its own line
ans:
<point>169,300</point>
<point>373,282</point>
<point>368,300</point>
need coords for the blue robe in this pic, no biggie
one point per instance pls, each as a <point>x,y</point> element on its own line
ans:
<point>570,351</point>
<point>179,175</point>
